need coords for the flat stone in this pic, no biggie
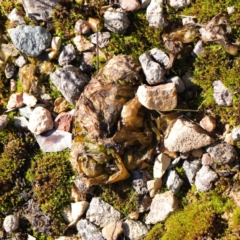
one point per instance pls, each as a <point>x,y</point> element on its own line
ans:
<point>162,205</point>
<point>31,40</point>
<point>70,81</point>
<point>205,178</point>
<point>40,121</point>
<point>191,168</point>
<point>222,153</point>
<point>101,213</point>
<point>88,231</point>
<point>208,123</point>
<point>60,105</point>
<point>67,54</point>
<point>10,223</point>
<point>153,71</point>
<point>81,27</point>
<point>134,229</point>
<point>179,3</point>
<point>161,97</point>
<point>112,230</point>
<point>130,5</point>
<point>153,186</point>
<point>39,10</point>
<point>15,101</point>
<point>16,17</point>
<point>4,119</point>
<point>207,160</point>
<point>161,164</point>
<point>116,20</point>
<point>103,39</point>
<point>82,44</point>
<point>221,94</point>
<point>174,182</point>
<point>185,136</point>
<point>159,56</point>
<point>178,83</point>
<point>63,122</point>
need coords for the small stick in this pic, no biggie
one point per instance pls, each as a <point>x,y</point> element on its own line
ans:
<point>97,51</point>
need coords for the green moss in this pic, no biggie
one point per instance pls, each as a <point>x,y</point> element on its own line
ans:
<point>156,232</point>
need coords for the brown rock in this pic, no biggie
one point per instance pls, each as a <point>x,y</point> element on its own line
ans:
<point>82,43</point>
<point>207,160</point>
<point>112,230</point>
<point>60,105</point>
<point>208,123</point>
<point>94,23</point>
<point>63,122</point>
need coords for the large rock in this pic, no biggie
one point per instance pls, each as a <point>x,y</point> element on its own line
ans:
<point>101,213</point>
<point>185,136</point>
<point>153,71</point>
<point>134,229</point>
<point>39,10</point>
<point>161,98</point>
<point>31,40</point>
<point>70,81</point>
<point>162,205</point>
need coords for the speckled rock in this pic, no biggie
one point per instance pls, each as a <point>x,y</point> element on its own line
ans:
<point>161,97</point>
<point>162,205</point>
<point>161,164</point>
<point>82,44</point>
<point>103,39</point>
<point>63,122</point>
<point>15,101</point>
<point>130,5</point>
<point>191,168</point>
<point>10,69</point>
<point>174,182</point>
<point>31,40</point>
<point>60,105</point>
<point>112,230</point>
<point>134,229</point>
<point>208,123</point>
<point>221,94</point>
<point>10,223</point>
<point>139,182</point>
<point>159,56</point>
<point>81,27</point>
<point>3,121</point>
<point>16,17</point>
<point>67,54</point>
<point>179,3</point>
<point>116,20</point>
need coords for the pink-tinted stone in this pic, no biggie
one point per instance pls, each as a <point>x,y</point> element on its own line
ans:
<point>207,160</point>
<point>63,122</point>
<point>208,123</point>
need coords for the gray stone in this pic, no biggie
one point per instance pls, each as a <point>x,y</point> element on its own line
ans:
<point>88,231</point>
<point>153,71</point>
<point>145,3</point>
<point>70,81</point>
<point>159,56</point>
<point>20,122</point>
<point>31,40</point>
<point>112,230</point>
<point>174,182</point>
<point>10,69</point>
<point>236,133</point>
<point>130,5</point>
<point>39,10</point>
<point>222,153</point>
<point>161,97</point>
<point>116,20</point>
<point>162,205</point>
<point>67,54</point>
<point>154,14</point>
<point>178,83</point>
<point>16,17</point>
<point>10,223</point>
<point>101,213</point>
<point>134,230</point>
<point>221,94</point>
<point>103,38</point>
<point>20,61</point>
<point>185,136</point>
<point>25,111</point>
<point>161,164</point>
<point>139,182</point>
<point>4,119</point>
<point>179,3</point>
<point>205,178</point>
<point>191,168</point>
<point>86,63</point>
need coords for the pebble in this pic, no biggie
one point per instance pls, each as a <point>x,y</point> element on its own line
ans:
<point>236,133</point>
<point>208,123</point>
<point>231,10</point>
<point>198,49</point>
<point>159,56</point>
<point>60,105</point>
<point>20,61</point>
<point>63,122</point>
<point>94,23</point>
<point>207,160</point>
<point>82,27</point>
<point>153,186</point>
<point>16,17</point>
<point>191,168</point>
<point>178,83</point>
<point>10,223</point>
<point>10,69</point>
<point>130,5</point>
<point>9,50</point>
<point>221,94</point>
<point>161,164</point>
<point>82,44</point>
<point>179,3</point>
<point>67,54</point>
<point>56,43</point>
<point>174,182</point>
<point>15,101</point>
<point>134,229</point>
<point>103,38</point>
<point>4,119</point>
<point>13,85</point>
<point>29,99</point>
<point>139,182</point>
<point>112,230</point>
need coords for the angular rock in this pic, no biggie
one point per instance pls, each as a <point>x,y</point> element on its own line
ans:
<point>101,213</point>
<point>60,105</point>
<point>185,136</point>
<point>10,69</point>
<point>236,133</point>
<point>153,186</point>
<point>153,71</point>
<point>116,20</point>
<point>112,230</point>
<point>88,231</point>
<point>31,40</point>
<point>29,99</point>
<point>15,101</point>
<point>4,119</point>
<point>40,121</point>
<point>208,123</point>
<point>161,164</point>
<point>16,17</point>
<point>130,5</point>
<point>222,153</point>
<point>63,122</point>
<point>86,63</point>
<point>10,223</point>
<point>70,81</point>
<point>179,3</point>
<point>161,97</point>
<point>174,182</point>
<point>134,229</point>
<point>103,39</point>
<point>155,15</point>
<point>56,43</point>
<point>39,10</point>
<point>20,122</point>
<point>81,27</point>
<point>144,204</point>
<point>205,178</point>
<point>82,44</point>
<point>67,54</point>
<point>54,140</point>
<point>207,160</point>
<point>191,168</point>
<point>162,205</point>
<point>221,94</point>
<point>178,83</point>
<point>20,61</point>
<point>159,56</point>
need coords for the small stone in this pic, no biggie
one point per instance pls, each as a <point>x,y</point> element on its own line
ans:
<point>222,153</point>
<point>208,123</point>
<point>82,43</point>
<point>10,223</point>
<point>144,204</point>
<point>40,121</point>
<point>229,140</point>
<point>63,122</point>
<point>67,54</point>
<point>236,134</point>
<point>112,230</point>
<point>86,61</point>
<point>154,14</point>
<point>13,85</point>
<point>56,43</point>
<point>134,229</point>
<point>231,10</point>
<point>205,178</point>
<point>207,160</point>
<point>29,99</point>
<point>221,94</point>
<point>139,182</point>
<point>191,168</point>
<point>198,49</point>
<point>179,3</point>
<point>161,164</point>
<point>10,69</point>
<point>20,122</point>
<point>189,20</point>
<point>29,237</point>
<point>153,186</point>
<point>160,56</point>
<point>4,119</point>
<point>130,5</point>
<point>161,97</point>
<point>16,17</point>
<point>178,83</point>
<point>78,209</point>
<point>88,231</point>
<point>103,39</point>
<point>81,27</point>
<point>162,205</point>
<point>174,182</point>
<point>197,153</point>
<point>153,71</point>
<point>31,40</point>
<point>94,23</point>
<point>60,105</point>
<point>15,101</point>
<point>20,61</point>
<point>133,215</point>
<point>25,111</point>
<point>8,50</point>
<point>116,20</point>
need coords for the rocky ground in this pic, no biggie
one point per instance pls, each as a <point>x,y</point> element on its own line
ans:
<point>119,119</point>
